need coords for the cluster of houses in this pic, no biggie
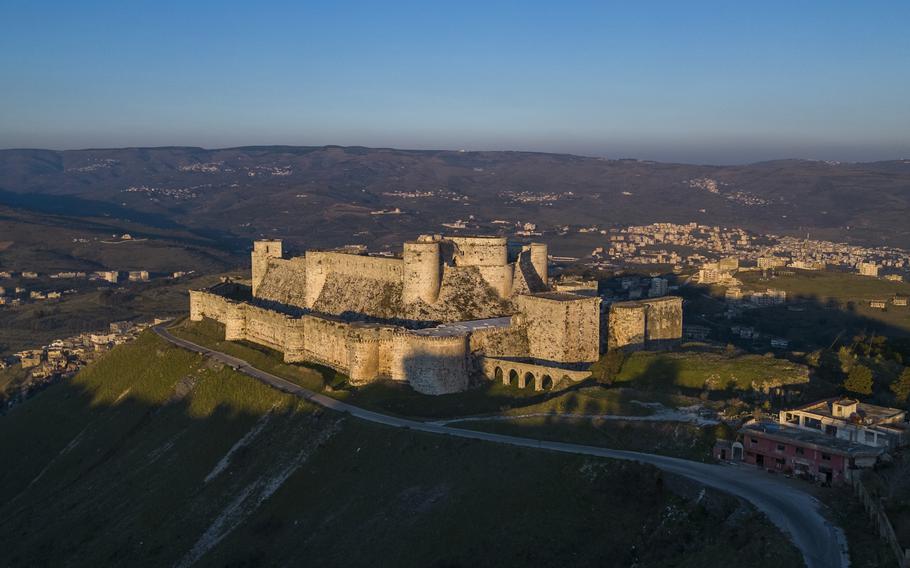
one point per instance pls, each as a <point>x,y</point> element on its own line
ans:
<point>26,291</point>
<point>693,244</point>
<point>827,441</point>
<point>63,358</point>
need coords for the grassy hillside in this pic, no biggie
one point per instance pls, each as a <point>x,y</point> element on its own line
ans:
<point>709,371</point>
<point>155,456</point>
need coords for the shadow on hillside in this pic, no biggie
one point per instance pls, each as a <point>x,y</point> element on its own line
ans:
<point>142,479</point>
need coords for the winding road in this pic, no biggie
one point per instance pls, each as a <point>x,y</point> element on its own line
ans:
<point>794,511</point>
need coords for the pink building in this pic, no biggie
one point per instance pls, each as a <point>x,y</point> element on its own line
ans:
<point>804,453</point>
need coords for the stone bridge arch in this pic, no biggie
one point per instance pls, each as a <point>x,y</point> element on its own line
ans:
<point>527,380</point>
<point>524,374</point>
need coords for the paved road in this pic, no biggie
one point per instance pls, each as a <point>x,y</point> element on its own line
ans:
<point>794,511</point>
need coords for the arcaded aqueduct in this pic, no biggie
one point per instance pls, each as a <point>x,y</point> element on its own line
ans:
<point>447,310</point>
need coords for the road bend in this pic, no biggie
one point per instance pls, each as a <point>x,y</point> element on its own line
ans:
<point>794,511</point>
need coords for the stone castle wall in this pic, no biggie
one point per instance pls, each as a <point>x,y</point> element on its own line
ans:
<point>421,286</point>
<point>246,322</point>
<point>626,325</point>
<point>283,281</point>
<point>664,318</point>
<point>320,264</point>
<point>364,352</point>
<point>431,364</point>
<point>651,323</point>
<point>262,252</point>
<point>562,328</point>
<point>480,251</point>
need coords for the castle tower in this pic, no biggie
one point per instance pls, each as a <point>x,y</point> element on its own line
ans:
<point>422,272</point>
<point>539,260</point>
<point>480,251</point>
<point>262,252</point>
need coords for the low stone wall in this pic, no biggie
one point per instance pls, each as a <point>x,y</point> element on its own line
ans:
<point>881,521</point>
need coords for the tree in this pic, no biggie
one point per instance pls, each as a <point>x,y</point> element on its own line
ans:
<point>901,386</point>
<point>859,380</point>
<point>846,357</point>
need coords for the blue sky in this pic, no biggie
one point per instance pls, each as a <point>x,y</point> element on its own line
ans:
<point>711,82</point>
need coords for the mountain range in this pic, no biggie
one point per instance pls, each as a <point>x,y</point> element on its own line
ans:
<point>330,195</point>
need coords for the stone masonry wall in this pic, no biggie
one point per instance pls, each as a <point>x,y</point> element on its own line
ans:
<point>284,282</point>
<point>664,318</point>
<point>562,330</point>
<point>431,364</point>
<point>652,323</point>
<point>321,264</point>
<point>626,325</point>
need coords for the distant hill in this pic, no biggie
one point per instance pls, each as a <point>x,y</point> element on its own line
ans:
<point>154,456</point>
<point>320,196</point>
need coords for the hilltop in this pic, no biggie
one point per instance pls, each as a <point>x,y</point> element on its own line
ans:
<point>155,456</point>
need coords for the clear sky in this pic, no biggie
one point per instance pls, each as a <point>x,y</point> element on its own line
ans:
<point>713,82</point>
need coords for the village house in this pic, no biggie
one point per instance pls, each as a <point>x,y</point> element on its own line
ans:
<point>851,420</point>
<point>795,451</point>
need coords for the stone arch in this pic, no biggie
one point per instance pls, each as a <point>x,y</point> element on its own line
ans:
<point>737,451</point>
<point>513,377</point>
<point>528,380</point>
<point>546,382</point>
<point>498,376</point>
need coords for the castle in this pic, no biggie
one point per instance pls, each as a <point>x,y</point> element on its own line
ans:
<point>449,309</point>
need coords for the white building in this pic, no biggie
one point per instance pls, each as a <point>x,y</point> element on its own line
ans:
<point>849,419</point>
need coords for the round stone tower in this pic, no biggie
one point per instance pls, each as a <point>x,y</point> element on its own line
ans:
<point>481,251</point>
<point>422,272</point>
<point>539,260</point>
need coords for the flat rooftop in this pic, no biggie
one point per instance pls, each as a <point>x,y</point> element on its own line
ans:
<point>817,440</point>
<point>465,327</point>
<point>871,412</point>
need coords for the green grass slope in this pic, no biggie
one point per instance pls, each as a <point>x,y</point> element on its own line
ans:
<point>155,456</point>
<point>710,371</point>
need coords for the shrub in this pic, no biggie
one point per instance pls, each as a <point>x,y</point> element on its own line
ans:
<point>859,380</point>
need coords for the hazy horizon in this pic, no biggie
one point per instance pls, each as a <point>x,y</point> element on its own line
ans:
<point>618,156</point>
<point>712,83</point>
